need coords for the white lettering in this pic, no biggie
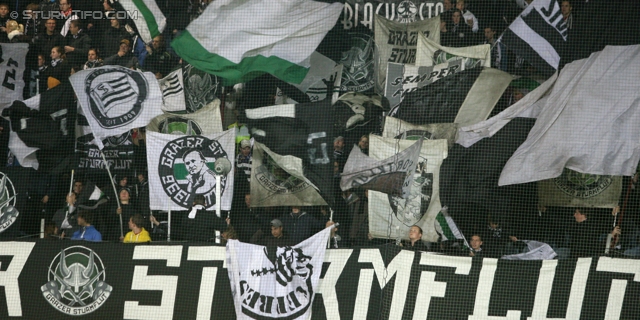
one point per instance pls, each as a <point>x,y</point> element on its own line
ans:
<point>9,279</point>
<point>618,287</point>
<point>209,274</point>
<point>483,293</point>
<point>327,285</point>
<point>428,287</point>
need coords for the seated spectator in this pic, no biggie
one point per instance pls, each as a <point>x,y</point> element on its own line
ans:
<point>138,233</point>
<point>15,32</point>
<point>454,32</point>
<point>86,232</point>
<point>158,60</point>
<point>301,225</point>
<point>93,60</point>
<point>124,57</point>
<point>65,219</point>
<point>78,45</point>
<point>277,238</point>
<point>415,240</point>
<point>476,246</point>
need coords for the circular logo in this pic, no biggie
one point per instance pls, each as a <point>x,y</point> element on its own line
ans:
<point>76,282</point>
<point>8,211</point>
<point>407,11</point>
<point>115,95</point>
<point>410,210</point>
<point>186,169</point>
<point>582,185</point>
<point>119,140</point>
<point>275,179</point>
<point>177,125</point>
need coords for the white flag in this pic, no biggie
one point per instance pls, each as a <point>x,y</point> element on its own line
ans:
<point>182,166</point>
<point>12,69</point>
<point>276,282</point>
<point>116,99</point>
<point>172,87</point>
<point>149,19</point>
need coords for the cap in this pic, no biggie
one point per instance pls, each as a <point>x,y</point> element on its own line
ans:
<point>125,41</point>
<point>276,223</point>
<point>245,143</point>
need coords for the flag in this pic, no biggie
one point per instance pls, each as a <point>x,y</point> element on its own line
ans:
<point>285,278</point>
<point>182,166</point>
<point>172,87</point>
<point>591,98</point>
<point>278,180</point>
<point>41,128</point>
<point>116,99</point>
<point>204,121</point>
<point>535,251</point>
<point>200,88</point>
<point>538,35</point>
<point>392,176</point>
<point>322,71</point>
<point>393,216</point>
<point>396,128</point>
<point>304,131</point>
<point>12,66</point>
<point>575,189</point>
<point>403,79</point>
<point>279,40</point>
<point>149,21</point>
<point>447,228</point>
<point>465,98</point>
<point>431,53</point>
<point>397,42</point>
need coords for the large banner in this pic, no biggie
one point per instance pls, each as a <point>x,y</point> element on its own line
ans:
<point>576,189</point>
<point>361,12</point>
<point>12,67</point>
<point>431,53</point>
<point>182,166</point>
<point>182,281</point>
<point>392,216</point>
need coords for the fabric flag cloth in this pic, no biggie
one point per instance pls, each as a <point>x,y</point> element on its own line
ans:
<point>574,189</point>
<point>200,88</point>
<point>285,279</point>
<point>397,42</point>
<point>172,87</point>
<point>465,98</point>
<point>431,53</point>
<point>535,251</point>
<point>304,131</point>
<point>591,97</point>
<point>13,70</point>
<point>279,39</point>
<point>279,180</point>
<point>182,166</point>
<point>396,128</point>
<point>150,21</point>
<point>314,85</point>
<point>204,121</point>
<point>447,228</point>
<point>538,35</point>
<point>391,216</point>
<point>392,176</point>
<point>116,99</point>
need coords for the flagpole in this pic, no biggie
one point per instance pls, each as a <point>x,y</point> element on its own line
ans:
<point>169,225</point>
<point>71,184</point>
<point>106,164</point>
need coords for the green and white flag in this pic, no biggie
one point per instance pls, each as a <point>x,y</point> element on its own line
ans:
<point>182,166</point>
<point>150,20</point>
<point>241,39</point>
<point>447,228</point>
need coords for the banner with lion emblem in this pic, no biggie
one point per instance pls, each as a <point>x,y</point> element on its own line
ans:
<point>276,282</point>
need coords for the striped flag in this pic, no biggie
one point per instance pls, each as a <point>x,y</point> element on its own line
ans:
<point>149,19</point>
<point>111,93</point>
<point>172,87</point>
<point>538,34</point>
<point>447,228</point>
<point>277,37</point>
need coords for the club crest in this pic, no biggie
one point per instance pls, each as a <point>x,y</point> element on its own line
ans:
<point>410,210</point>
<point>582,185</point>
<point>186,169</point>
<point>8,211</point>
<point>76,282</point>
<point>115,95</point>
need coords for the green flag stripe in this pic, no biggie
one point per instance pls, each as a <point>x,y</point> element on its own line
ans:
<point>149,18</point>
<point>188,47</point>
<point>442,221</point>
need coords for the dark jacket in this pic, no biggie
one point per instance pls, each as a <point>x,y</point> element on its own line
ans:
<point>300,227</point>
<point>127,61</point>
<point>110,40</point>
<point>81,44</point>
<point>202,227</point>
<point>159,61</point>
<point>45,42</point>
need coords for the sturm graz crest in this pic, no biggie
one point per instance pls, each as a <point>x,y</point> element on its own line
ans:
<point>115,95</point>
<point>275,179</point>
<point>407,12</point>
<point>177,125</point>
<point>582,185</point>
<point>186,169</point>
<point>8,211</point>
<point>410,210</point>
<point>76,282</point>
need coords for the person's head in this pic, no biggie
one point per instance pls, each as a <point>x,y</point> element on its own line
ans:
<point>57,53</point>
<point>93,54</point>
<point>194,161</point>
<point>247,199</point>
<point>41,60</point>
<point>71,198</point>
<point>456,16</point>
<point>136,221</point>
<point>158,42</point>
<point>276,228</point>
<point>124,180</point>
<point>106,4</point>
<point>415,233</point>
<point>581,214</point>
<point>338,143</point>
<point>245,147</point>
<point>125,195</point>
<point>50,25</point>
<point>74,27</point>
<point>64,5</point>
<point>447,5</point>
<point>31,7</point>
<point>4,10</point>
<point>125,45</point>
<point>77,187</point>
<point>85,218</point>
<point>115,23</point>
<point>476,242</point>
<point>199,200</point>
<point>142,177</point>
<point>13,25</point>
<point>295,210</point>
<point>489,33</point>
<point>565,8</point>
<point>364,142</point>
<point>460,5</point>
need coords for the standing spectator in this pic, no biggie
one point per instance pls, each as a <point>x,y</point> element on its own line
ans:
<point>143,193</point>
<point>49,8</point>
<point>498,50</point>
<point>199,224</point>
<point>48,39</point>
<point>454,32</point>
<point>566,8</point>
<point>111,37</point>
<point>93,60</point>
<point>124,57</point>
<point>65,219</point>
<point>68,16</point>
<point>415,240</point>
<point>58,71</point>
<point>138,233</point>
<point>34,81</point>
<point>469,18</point>
<point>585,234</point>
<point>32,25</point>
<point>364,144</point>
<point>78,44</point>
<point>243,161</point>
<point>4,17</point>
<point>476,246</point>
<point>158,60</point>
<point>301,225</point>
<point>15,32</point>
<point>277,238</point>
<point>338,148</point>
<point>125,211</point>
<point>87,231</point>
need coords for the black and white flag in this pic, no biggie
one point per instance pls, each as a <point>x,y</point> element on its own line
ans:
<point>116,99</point>
<point>12,66</point>
<point>276,282</point>
<point>538,35</point>
<point>205,120</point>
<point>172,87</point>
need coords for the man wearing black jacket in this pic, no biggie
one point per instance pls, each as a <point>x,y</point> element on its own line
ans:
<point>78,45</point>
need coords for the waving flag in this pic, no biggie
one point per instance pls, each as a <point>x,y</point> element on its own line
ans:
<point>150,20</point>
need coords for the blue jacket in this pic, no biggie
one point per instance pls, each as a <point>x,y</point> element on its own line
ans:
<point>87,233</point>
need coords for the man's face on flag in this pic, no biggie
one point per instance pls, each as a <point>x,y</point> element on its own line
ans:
<point>194,162</point>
